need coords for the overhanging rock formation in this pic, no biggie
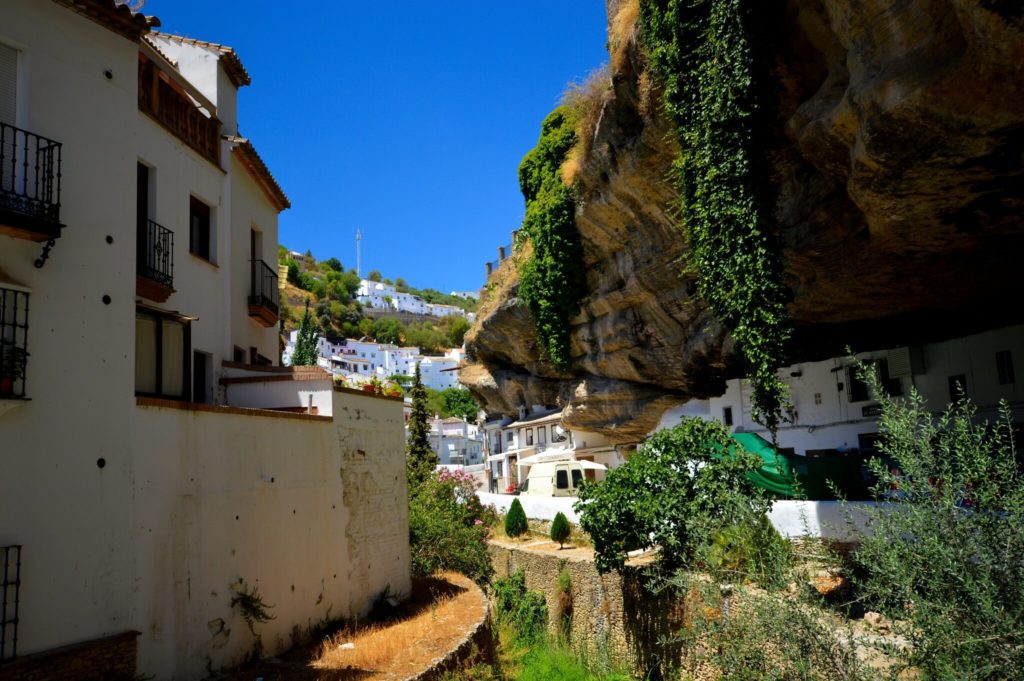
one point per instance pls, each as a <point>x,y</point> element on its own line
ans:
<point>898,169</point>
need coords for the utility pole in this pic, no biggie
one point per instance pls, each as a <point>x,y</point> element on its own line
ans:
<point>359,264</point>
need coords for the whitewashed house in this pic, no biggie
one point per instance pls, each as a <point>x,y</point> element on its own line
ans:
<point>384,296</point>
<point>155,458</point>
<point>833,411</point>
<point>456,441</point>
<point>513,445</point>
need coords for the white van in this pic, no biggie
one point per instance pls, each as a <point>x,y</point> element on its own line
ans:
<point>554,479</point>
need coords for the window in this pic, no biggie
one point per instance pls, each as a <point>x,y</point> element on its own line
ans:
<point>727,416</point>
<point>542,435</point>
<point>577,477</point>
<point>858,389</point>
<point>529,437</point>
<point>13,342</point>
<point>1004,367</point>
<point>161,356</point>
<point>957,385</point>
<point>199,232</point>
<point>8,84</point>
<point>508,436</point>
<point>817,398</point>
<point>562,479</point>
<point>202,370</point>
<point>238,355</point>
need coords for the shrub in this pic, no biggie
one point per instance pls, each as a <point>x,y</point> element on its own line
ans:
<point>683,485</point>
<point>946,563</point>
<point>526,611</point>
<point>515,521</point>
<point>560,529</point>
<point>448,527</point>
<point>751,549</point>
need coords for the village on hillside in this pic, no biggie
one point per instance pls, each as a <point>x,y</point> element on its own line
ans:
<point>737,399</point>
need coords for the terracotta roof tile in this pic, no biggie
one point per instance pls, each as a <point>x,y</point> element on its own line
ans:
<point>116,16</point>
<point>258,169</point>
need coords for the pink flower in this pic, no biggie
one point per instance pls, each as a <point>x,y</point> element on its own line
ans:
<point>478,522</point>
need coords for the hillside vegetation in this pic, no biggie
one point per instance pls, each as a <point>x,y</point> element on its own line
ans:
<point>330,291</point>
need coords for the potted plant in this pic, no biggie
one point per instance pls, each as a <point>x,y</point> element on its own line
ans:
<point>12,367</point>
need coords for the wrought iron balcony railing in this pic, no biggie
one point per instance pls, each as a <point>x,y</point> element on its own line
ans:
<point>264,296</point>
<point>156,253</point>
<point>13,342</point>
<point>30,176</point>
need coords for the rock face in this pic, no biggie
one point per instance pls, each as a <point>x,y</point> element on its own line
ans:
<point>899,170</point>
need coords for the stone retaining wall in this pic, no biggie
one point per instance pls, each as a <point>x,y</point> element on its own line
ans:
<point>612,614</point>
<point>477,647</point>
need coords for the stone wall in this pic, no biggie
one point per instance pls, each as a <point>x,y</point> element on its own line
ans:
<point>613,614</point>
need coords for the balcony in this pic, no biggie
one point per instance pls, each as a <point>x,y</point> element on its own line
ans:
<point>154,262</point>
<point>264,294</point>
<point>172,108</point>
<point>29,185</point>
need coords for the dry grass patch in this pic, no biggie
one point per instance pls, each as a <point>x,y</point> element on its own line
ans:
<point>622,32</point>
<point>439,615</point>
<point>587,99</point>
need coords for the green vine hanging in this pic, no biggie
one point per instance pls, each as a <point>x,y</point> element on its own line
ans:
<point>701,52</point>
<point>552,280</point>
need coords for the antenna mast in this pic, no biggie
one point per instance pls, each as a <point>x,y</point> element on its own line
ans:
<point>359,268</point>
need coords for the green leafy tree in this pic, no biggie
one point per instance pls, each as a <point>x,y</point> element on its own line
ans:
<point>401,284</point>
<point>421,459</point>
<point>515,520</point>
<point>456,330</point>
<point>334,264</point>
<point>388,330</point>
<point>374,275</point>
<point>366,327</point>
<point>560,529</point>
<point>459,402</point>
<point>305,345</point>
<point>683,485</point>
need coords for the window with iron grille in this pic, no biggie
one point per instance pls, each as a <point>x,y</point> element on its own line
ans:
<point>13,342</point>
<point>10,587</point>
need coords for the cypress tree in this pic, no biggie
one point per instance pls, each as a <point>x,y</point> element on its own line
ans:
<point>560,529</point>
<point>515,521</point>
<point>305,344</point>
<point>421,460</point>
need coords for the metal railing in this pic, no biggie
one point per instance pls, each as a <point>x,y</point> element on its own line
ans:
<point>264,291</point>
<point>30,172</point>
<point>156,253</point>
<point>13,342</point>
<point>10,591</point>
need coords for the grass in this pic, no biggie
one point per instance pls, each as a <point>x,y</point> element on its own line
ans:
<point>432,622</point>
<point>622,33</point>
<point>587,98</point>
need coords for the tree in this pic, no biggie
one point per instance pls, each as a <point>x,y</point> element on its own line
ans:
<point>515,521</point>
<point>459,402</point>
<point>421,460</point>
<point>683,485</point>
<point>374,275</point>
<point>559,529</point>
<point>334,264</point>
<point>401,284</point>
<point>388,330</point>
<point>457,329</point>
<point>305,346</point>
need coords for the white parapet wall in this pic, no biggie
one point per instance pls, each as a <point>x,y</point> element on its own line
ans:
<point>309,510</point>
<point>831,520</point>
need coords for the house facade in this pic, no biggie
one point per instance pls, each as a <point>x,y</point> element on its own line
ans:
<point>156,458</point>
<point>834,412</point>
<point>386,296</point>
<point>513,445</point>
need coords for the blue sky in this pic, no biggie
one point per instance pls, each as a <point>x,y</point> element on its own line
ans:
<point>405,119</point>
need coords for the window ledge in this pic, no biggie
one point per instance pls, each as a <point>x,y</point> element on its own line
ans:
<point>203,260</point>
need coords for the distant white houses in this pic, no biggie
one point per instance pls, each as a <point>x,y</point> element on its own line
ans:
<point>456,441</point>
<point>359,361</point>
<point>383,296</point>
<point>467,295</point>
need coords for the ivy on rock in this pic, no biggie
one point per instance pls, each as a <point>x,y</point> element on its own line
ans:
<point>552,280</point>
<point>702,53</point>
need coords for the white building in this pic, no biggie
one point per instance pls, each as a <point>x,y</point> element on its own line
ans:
<point>380,295</point>
<point>833,410</point>
<point>513,445</point>
<point>152,452</point>
<point>466,295</point>
<point>456,441</point>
